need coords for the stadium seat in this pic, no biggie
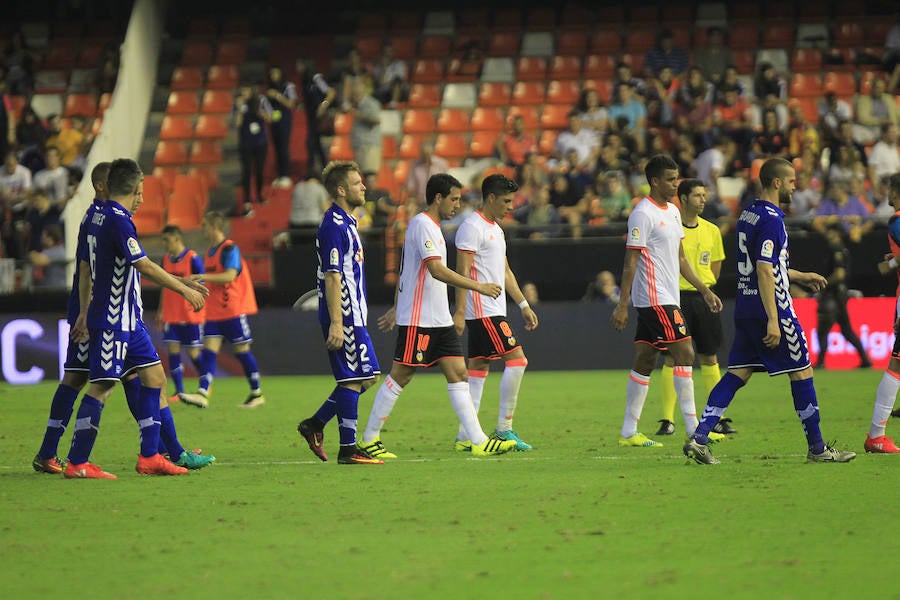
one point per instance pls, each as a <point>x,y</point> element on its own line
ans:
<point>105,99</point>
<point>566,92</point>
<point>537,43</point>
<point>418,121</point>
<point>460,95</point>
<point>388,147</point>
<point>148,222</point>
<point>183,211</point>
<point>84,105</point>
<point>744,61</point>
<point>483,144</point>
<point>529,92</point>
<point>182,103</point>
<point>530,117</point>
<point>712,14</point>
<point>434,46</point>
<point>778,36</point>
<point>575,18</point>
<point>812,35</point>
<point>401,173</point>
<point>531,69</point>
<point>176,127</point>
<point>451,146</point>
<point>487,119</point>
<point>555,116</point>
<point>222,77</point>
<point>154,194</point>
<point>878,31</point>
<point>460,71</point>
<point>409,146</point>
<point>546,141</point>
<point>806,60</point>
<point>498,70</point>
<point>494,94</point>
<point>372,23</point>
<point>390,122</point>
<point>611,15</point>
<point>777,57</point>
<point>170,154</point>
<point>231,53</point>
<point>634,59</point>
<point>805,85</point>
<point>809,107</point>
<point>404,47</point>
<point>504,43</point>
<point>508,19</point>
<point>743,12</point>
<point>206,152</point>
<point>744,37</point>
<point>166,176</point>
<point>196,53</point>
<point>849,34</point>
<point>427,71</point>
<point>472,20</point>
<point>643,14</point>
<point>565,67</point>
<point>47,104</point>
<point>260,266</point>
<point>342,123</point>
<point>606,41</point>
<point>842,84</point>
<point>424,95</point>
<point>211,127</point>
<point>540,19</point>
<point>50,81</point>
<point>453,120</point>
<point>17,103</point>
<point>406,21</point>
<point>253,235</point>
<point>779,10</point>
<point>571,42</point>
<point>192,185</point>
<point>369,48</point>
<point>640,40</point>
<point>204,27</point>
<point>90,55</point>
<point>208,176</point>
<point>186,78</point>
<point>439,22</point>
<point>386,179</point>
<point>217,102</point>
<point>340,148</point>
<point>60,56</point>
<point>598,66</point>
<point>603,87</point>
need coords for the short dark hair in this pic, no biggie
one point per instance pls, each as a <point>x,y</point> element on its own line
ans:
<point>54,232</point>
<point>124,177</point>
<point>215,218</point>
<point>100,172</point>
<point>687,186</point>
<point>497,184</point>
<point>657,165</point>
<point>440,183</point>
<point>336,173</point>
<point>172,230</point>
<point>771,170</point>
<point>894,182</point>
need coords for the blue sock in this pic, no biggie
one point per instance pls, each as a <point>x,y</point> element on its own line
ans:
<point>207,368</point>
<point>251,370</point>
<point>328,409</point>
<point>148,421</point>
<point>87,424</point>
<point>132,389</point>
<point>807,407</point>
<point>168,439</point>
<point>719,399</point>
<point>60,412</point>
<point>177,371</point>
<point>347,402</point>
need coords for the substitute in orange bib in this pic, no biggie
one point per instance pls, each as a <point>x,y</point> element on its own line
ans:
<point>231,300</point>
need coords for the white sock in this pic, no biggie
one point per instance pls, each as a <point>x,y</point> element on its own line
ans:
<point>635,396</point>
<point>381,408</point>
<point>476,389</point>
<point>465,411</point>
<point>509,392</point>
<point>684,390</point>
<point>884,402</point>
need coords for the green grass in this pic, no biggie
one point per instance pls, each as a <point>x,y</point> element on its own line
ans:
<point>579,517</point>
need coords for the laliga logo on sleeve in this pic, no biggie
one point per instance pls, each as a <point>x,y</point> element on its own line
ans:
<point>768,249</point>
<point>635,234</point>
<point>134,247</point>
<point>335,257</point>
<point>429,245</point>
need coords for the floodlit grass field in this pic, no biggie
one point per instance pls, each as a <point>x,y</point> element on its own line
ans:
<point>578,517</point>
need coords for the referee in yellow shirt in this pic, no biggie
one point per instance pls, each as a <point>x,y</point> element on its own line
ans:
<point>703,248</point>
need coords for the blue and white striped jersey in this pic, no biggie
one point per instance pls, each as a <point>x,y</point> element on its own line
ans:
<point>340,250</point>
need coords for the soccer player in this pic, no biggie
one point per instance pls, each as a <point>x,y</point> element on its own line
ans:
<point>76,370</point>
<point>702,245</point>
<point>654,256</point>
<point>426,334</point>
<point>109,287</point>
<point>231,300</point>
<point>481,255</point>
<point>343,312</point>
<point>180,323</point>
<point>876,440</point>
<point>767,332</point>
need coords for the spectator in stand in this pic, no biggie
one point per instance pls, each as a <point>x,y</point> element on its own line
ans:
<point>251,113</point>
<point>624,74</point>
<point>891,58</point>
<point>594,115</point>
<point>684,154</point>
<point>391,78</point>
<point>108,73</point>
<point>627,105</point>
<point>378,203</point>
<point>832,112</point>
<point>282,96</point>
<point>54,179</point>
<point>610,201</point>
<point>845,138</point>
<point>576,137</point>
<point>839,206</point>
<point>602,289</point>
<point>365,133</point>
<point>884,210</point>
<point>873,110</point>
<point>696,119</point>
<point>611,160</point>
<point>771,141</point>
<point>732,117</point>
<point>692,85</point>
<point>30,132</point>
<point>15,181</point>
<point>801,134</point>
<point>709,166</point>
<point>50,259</point>
<point>715,57</point>
<point>41,213</point>
<point>845,165</point>
<point>309,201</point>
<point>665,54</point>
<point>540,217</point>
<point>730,79</point>
<point>514,147</point>
<point>660,96</point>
<point>884,160</point>
<point>318,101</point>
<point>570,206</point>
<point>421,170</point>
<point>771,92</point>
<point>71,140</point>
<point>354,72</point>
<point>8,128</point>
<point>19,64</point>
<point>807,196</point>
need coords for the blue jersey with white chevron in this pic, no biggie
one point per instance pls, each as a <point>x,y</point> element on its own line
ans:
<point>74,304</point>
<point>111,249</point>
<point>761,236</point>
<point>340,250</point>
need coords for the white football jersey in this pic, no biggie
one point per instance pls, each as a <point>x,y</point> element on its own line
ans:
<point>485,240</point>
<point>657,232</point>
<point>422,299</point>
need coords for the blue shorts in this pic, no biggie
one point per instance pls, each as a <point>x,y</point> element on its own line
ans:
<point>77,356</point>
<point>356,360</point>
<point>115,354</point>
<point>748,349</point>
<point>236,330</point>
<point>186,334</point>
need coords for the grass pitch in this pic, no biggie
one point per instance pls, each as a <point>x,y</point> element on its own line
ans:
<point>578,517</point>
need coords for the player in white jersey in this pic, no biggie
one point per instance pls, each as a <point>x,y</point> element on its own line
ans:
<point>481,255</point>
<point>654,258</point>
<point>426,335</point>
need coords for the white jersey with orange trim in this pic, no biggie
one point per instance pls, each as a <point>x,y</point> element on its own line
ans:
<point>657,232</point>
<point>422,299</point>
<point>485,240</point>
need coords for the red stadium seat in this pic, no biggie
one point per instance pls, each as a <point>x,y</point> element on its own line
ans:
<point>186,78</point>
<point>166,176</point>
<point>208,176</point>
<point>842,84</point>
<point>451,146</point>
<point>428,71</point>
<point>541,19</point>
<point>183,211</point>
<point>154,194</point>
<point>645,14</point>
<point>571,42</point>
<point>216,102</point>
<point>196,53</point>
<point>434,46</point>
<point>530,117</point>
<point>805,85</point>
<point>231,53</point>
<point>809,108</point>
<point>546,141</point>
<point>406,21</point>
<point>531,68</point>
<point>340,148</point>
<point>452,120</point>
<point>342,123</point>
<point>183,103</point>
<point>849,34</point>
<point>369,48</point>
<point>555,116</point>
<point>372,23</point>
<point>84,105</point>
<point>418,121</point>
<point>529,92</point>
<point>504,43</point>
<point>640,40</point>
<point>401,173</point>
<point>170,154</point>
<point>193,185</point>
<point>424,95</point>
<point>744,60</point>
<point>89,57</point>
<point>211,127</point>
<point>599,65</point>
<point>508,19</point>
<point>409,146</point>
<point>603,87</point>
<point>806,60</point>
<point>566,92</point>
<point>745,37</point>
<point>606,41</point>
<point>487,119</point>
<point>176,127</point>
<point>222,77</point>
<point>483,144</point>
<point>404,47</point>
<point>494,94</point>
<point>148,222</point>
<point>778,36</point>
<point>60,56</point>
<point>206,152</point>
<point>565,67</point>
<point>388,147</point>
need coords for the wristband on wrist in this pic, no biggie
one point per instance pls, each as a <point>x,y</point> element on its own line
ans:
<point>892,263</point>
<point>524,304</point>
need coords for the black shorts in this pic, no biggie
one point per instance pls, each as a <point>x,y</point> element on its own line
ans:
<point>704,325</point>
<point>424,346</point>
<point>491,338</point>
<point>895,351</point>
<point>660,326</point>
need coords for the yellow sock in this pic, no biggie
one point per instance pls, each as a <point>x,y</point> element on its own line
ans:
<point>710,375</point>
<point>668,393</point>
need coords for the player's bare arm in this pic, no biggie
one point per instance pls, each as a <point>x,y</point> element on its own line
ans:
<point>766,277</point>
<point>620,313</point>
<point>226,276</point>
<point>464,262</point>
<point>441,272</point>
<point>335,337</point>
<point>888,265</point>
<point>687,271</point>
<point>79,331</point>
<point>813,281</point>
<point>515,293</point>
<point>195,293</point>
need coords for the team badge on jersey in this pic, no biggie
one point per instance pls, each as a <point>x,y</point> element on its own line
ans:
<point>635,234</point>
<point>429,245</point>
<point>133,246</point>
<point>768,249</point>
<point>335,257</point>
<point>704,258</point>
